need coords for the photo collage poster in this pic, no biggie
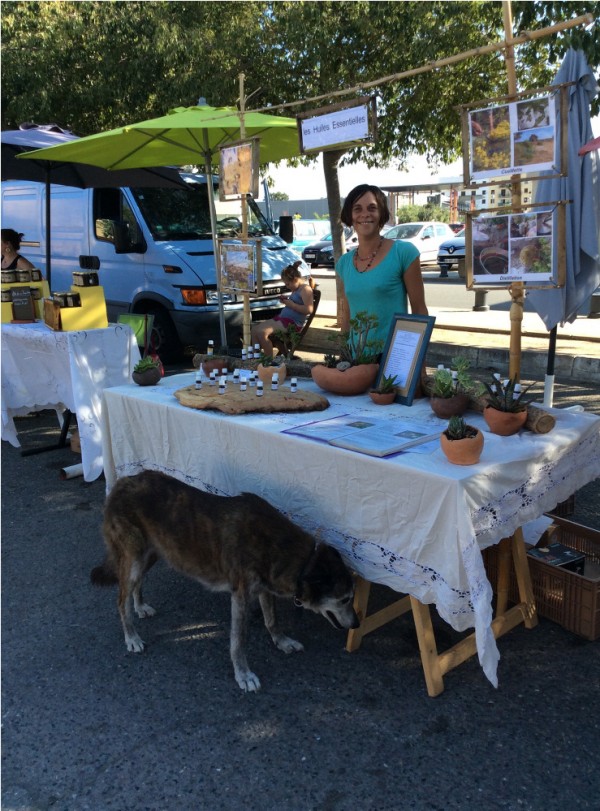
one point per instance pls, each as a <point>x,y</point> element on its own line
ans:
<point>238,170</point>
<point>513,248</point>
<point>238,268</point>
<point>513,138</point>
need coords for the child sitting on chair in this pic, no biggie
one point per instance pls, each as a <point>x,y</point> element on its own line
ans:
<point>298,306</point>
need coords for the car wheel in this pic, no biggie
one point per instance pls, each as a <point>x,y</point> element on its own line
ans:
<point>164,340</point>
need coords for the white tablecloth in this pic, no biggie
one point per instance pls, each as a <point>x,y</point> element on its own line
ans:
<point>413,522</point>
<point>46,369</point>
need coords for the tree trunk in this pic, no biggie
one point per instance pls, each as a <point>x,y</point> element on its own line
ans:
<point>334,203</point>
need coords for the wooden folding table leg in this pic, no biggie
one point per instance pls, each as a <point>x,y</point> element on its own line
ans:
<point>523,575</point>
<point>361,601</point>
<point>428,648</point>
<point>503,576</point>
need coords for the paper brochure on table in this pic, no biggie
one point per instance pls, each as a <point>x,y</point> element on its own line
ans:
<point>374,437</point>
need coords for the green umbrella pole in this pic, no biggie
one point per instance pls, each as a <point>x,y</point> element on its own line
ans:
<point>213,227</point>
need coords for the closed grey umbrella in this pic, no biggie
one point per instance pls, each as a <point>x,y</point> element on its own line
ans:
<point>62,173</point>
<point>560,305</point>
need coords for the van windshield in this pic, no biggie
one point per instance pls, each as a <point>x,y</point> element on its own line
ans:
<point>182,214</point>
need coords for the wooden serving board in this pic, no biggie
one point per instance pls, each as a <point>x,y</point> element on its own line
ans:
<point>235,401</point>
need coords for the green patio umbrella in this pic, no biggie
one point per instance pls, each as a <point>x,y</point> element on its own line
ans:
<point>184,135</point>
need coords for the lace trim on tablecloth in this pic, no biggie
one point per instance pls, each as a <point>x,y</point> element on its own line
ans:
<point>546,487</point>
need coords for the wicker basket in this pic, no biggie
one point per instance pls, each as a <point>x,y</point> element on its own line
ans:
<point>570,599</point>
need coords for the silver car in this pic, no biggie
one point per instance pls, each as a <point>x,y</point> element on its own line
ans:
<point>449,253</point>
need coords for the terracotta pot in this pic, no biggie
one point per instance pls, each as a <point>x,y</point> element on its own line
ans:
<point>354,380</point>
<point>462,451</point>
<point>217,362</point>
<point>265,373</point>
<point>504,423</point>
<point>446,407</point>
<point>149,377</point>
<point>379,398</point>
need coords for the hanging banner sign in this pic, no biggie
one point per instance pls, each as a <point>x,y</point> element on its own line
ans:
<point>342,125</point>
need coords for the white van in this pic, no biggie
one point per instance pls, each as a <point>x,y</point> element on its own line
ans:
<point>153,252</point>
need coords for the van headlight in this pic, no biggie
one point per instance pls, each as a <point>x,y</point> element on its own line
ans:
<point>212,297</point>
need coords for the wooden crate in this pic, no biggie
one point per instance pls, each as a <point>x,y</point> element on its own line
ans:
<point>570,599</point>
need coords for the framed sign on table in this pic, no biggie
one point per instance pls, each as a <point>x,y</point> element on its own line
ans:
<point>404,354</point>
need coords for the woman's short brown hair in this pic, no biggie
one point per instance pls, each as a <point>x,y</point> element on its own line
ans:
<point>359,191</point>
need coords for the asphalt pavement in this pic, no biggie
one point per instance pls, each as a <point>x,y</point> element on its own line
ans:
<point>90,727</point>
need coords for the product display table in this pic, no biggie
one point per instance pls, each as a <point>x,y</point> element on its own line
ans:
<point>46,369</point>
<point>413,521</point>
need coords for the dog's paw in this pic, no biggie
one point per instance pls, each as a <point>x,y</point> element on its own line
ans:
<point>287,644</point>
<point>134,643</point>
<point>248,681</point>
<point>144,610</point>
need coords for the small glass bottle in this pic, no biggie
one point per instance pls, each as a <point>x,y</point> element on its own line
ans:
<point>236,375</point>
<point>252,379</point>
<point>243,384</point>
<point>224,373</point>
<point>257,350</point>
<point>222,385</point>
<point>212,380</point>
<point>249,353</point>
<point>244,357</point>
<point>274,381</point>
<point>294,385</point>
<point>259,388</point>
<point>211,348</point>
<point>198,381</point>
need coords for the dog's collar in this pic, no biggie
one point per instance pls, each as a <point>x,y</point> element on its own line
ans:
<point>302,575</point>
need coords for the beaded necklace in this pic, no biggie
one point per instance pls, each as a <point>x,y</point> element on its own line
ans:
<point>368,259</point>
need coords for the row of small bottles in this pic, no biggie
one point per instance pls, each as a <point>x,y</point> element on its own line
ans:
<point>248,353</point>
<point>253,381</point>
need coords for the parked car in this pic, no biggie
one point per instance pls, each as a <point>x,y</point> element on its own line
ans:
<point>457,227</point>
<point>426,236</point>
<point>308,231</point>
<point>320,254</point>
<point>450,252</point>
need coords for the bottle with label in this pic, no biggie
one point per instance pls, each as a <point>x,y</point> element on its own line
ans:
<point>294,385</point>
<point>210,348</point>
<point>198,381</point>
<point>259,388</point>
<point>274,381</point>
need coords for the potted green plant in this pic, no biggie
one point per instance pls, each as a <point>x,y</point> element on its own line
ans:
<point>147,372</point>
<point>353,366</point>
<point>289,337</point>
<point>506,409</point>
<point>461,443</point>
<point>385,392</point>
<point>267,365</point>
<point>452,389</point>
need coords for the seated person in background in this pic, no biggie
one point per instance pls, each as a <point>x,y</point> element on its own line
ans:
<point>11,258</point>
<point>298,306</point>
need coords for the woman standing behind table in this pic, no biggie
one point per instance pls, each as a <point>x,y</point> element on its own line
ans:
<point>11,258</point>
<point>381,276</point>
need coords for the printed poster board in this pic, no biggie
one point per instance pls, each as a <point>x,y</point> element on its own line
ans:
<point>514,138</point>
<point>507,248</point>
<point>238,169</point>
<point>238,267</point>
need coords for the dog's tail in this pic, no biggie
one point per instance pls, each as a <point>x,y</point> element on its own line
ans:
<point>105,574</point>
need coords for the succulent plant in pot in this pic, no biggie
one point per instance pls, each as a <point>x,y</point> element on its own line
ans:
<point>385,392</point>
<point>461,443</point>
<point>268,365</point>
<point>452,389</point>
<point>353,366</point>
<point>506,409</point>
<point>147,372</point>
